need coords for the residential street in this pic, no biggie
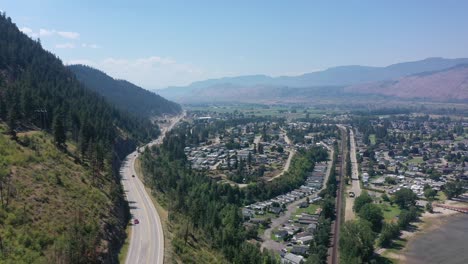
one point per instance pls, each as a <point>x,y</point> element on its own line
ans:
<point>268,243</point>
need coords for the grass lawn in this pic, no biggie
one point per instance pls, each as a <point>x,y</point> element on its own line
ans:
<point>265,216</point>
<point>441,197</point>
<point>390,211</point>
<point>261,230</point>
<point>415,160</point>
<point>372,139</point>
<point>309,210</point>
<point>273,237</point>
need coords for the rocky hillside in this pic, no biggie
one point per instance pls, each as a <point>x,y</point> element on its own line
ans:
<point>445,85</point>
<point>262,87</point>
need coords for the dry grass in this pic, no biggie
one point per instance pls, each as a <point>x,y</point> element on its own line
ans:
<point>50,192</point>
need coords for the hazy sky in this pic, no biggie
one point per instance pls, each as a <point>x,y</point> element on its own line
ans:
<point>155,44</point>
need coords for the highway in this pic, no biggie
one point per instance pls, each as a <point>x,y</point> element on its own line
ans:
<point>355,182</point>
<point>147,237</point>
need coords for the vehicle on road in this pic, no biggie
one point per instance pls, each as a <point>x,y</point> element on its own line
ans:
<point>351,194</point>
<point>136,221</point>
<point>133,176</point>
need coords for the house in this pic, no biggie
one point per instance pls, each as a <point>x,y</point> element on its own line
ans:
<point>293,259</point>
<point>281,234</point>
<point>305,240</point>
<point>275,210</point>
<point>300,250</point>
<point>311,227</point>
<point>248,213</point>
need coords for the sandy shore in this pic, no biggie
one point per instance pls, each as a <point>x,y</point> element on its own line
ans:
<point>427,235</point>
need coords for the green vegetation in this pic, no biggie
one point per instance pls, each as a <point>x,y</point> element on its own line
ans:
<point>40,90</point>
<point>259,110</point>
<point>206,215</point>
<point>453,189</point>
<point>356,242</point>
<point>123,94</point>
<point>322,234</point>
<point>390,212</point>
<point>361,200</point>
<point>51,208</point>
<point>385,221</point>
<point>373,214</point>
<point>405,198</point>
<point>372,139</point>
<point>60,197</point>
<point>415,160</point>
<point>311,209</point>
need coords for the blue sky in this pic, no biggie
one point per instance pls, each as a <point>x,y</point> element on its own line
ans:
<point>156,44</point>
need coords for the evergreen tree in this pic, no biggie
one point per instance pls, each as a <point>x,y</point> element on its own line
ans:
<point>59,130</point>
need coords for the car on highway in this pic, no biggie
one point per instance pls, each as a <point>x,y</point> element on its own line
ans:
<point>136,221</point>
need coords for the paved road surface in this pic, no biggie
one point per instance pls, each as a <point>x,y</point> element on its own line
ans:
<point>355,183</point>
<point>292,152</point>
<point>147,238</point>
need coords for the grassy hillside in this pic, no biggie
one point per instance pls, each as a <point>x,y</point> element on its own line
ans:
<point>52,208</point>
<point>123,94</point>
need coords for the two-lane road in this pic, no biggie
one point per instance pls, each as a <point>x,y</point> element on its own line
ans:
<point>147,237</point>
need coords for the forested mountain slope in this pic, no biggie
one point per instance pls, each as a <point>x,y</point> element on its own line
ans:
<point>60,146</point>
<point>123,94</point>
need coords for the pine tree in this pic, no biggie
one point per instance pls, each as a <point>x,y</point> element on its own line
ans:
<point>3,109</point>
<point>12,121</point>
<point>59,131</point>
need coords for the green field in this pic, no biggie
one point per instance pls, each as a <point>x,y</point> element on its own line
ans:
<point>390,211</point>
<point>291,112</point>
<point>265,216</point>
<point>308,210</point>
<point>415,160</point>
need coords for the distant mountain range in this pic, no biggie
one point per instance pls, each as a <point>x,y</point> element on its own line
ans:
<point>262,87</point>
<point>449,84</point>
<point>125,95</point>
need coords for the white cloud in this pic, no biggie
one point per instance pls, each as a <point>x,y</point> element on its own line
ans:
<point>69,34</point>
<point>29,32</point>
<point>26,30</point>
<point>90,46</point>
<point>149,72</point>
<point>83,62</point>
<point>50,32</point>
<point>65,46</point>
<point>46,32</point>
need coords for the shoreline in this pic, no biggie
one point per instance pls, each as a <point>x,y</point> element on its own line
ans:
<point>428,222</point>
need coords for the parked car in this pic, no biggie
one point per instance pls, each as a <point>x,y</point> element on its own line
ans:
<point>133,176</point>
<point>351,194</point>
<point>136,222</point>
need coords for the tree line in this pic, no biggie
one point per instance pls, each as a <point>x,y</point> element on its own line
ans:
<point>211,207</point>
